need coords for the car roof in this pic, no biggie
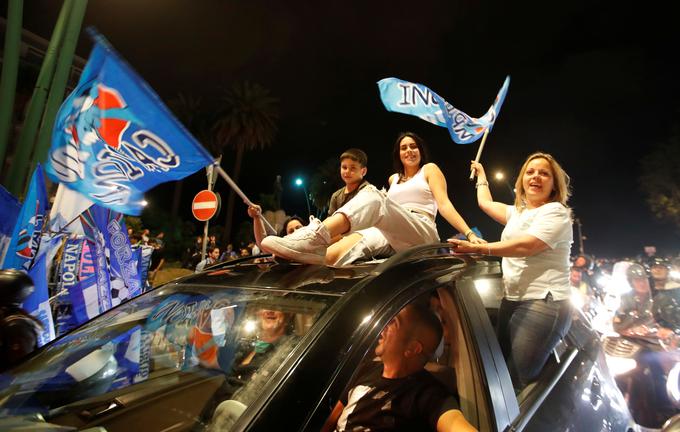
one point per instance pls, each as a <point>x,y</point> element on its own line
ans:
<point>280,275</point>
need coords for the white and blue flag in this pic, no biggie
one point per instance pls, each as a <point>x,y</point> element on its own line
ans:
<point>113,138</point>
<point>417,100</point>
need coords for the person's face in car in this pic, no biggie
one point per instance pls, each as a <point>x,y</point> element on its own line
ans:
<point>272,324</point>
<point>394,338</point>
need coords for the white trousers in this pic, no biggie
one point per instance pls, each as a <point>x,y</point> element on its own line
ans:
<point>401,227</point>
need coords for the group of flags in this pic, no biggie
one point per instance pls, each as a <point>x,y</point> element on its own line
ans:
<point>114,139</point>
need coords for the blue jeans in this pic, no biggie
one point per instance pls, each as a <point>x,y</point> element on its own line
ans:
<point>528,331</point>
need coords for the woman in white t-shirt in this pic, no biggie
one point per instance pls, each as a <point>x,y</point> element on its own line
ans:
<point>535,244</point>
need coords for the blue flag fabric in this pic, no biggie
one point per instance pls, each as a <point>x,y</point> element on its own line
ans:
<point>9,212</point>
<point>113,138</point>
<point>106,230</point>
<point>38,303</point>
<point>417,100</point>
<point>26,235</point>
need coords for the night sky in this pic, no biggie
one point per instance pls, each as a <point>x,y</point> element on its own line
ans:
<point>592,83</point>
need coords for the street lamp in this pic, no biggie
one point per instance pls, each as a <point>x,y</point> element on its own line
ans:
<point>300,183</point>
<point>501,177</point>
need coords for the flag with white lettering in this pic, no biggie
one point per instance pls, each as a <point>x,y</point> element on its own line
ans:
<point>113,138</point>
<point>105,228</point>
<point>417,100</point>
<point>26,235</point>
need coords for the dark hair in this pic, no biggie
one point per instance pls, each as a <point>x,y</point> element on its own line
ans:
<point>356,155</point>
<point>423,319</point>
<point>283,231</point>
<point>422,147</point>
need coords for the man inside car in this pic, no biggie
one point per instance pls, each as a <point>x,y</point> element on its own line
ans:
<point>397,393</point>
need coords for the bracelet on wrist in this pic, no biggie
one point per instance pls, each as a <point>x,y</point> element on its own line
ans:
<point>481,183</point>
<point>468,233</point>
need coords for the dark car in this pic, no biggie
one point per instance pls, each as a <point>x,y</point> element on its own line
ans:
<point>260,345</point>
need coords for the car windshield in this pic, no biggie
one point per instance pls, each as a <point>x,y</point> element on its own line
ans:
<point>231,338</point>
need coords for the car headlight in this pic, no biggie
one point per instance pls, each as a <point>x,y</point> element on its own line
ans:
<point>620,365</point>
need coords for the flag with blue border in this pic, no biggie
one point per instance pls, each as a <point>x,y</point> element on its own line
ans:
<point>418,100</point>
<point>113,138</point>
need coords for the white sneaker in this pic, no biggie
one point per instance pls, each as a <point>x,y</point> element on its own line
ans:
<point>307,244</point>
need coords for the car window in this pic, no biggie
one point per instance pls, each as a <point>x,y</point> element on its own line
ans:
<point>418,401</point>
<point>158,345</point>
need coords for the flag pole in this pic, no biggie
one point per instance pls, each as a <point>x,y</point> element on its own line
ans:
<point>479,153</point>
<point>240,193</point>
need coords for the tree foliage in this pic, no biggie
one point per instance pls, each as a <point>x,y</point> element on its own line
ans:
<point>660,180</point>
<point>248,121</point>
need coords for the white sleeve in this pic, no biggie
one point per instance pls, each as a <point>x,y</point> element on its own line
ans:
<point>551,225</point>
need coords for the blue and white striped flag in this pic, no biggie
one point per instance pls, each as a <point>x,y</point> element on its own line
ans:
<point>417,100</point>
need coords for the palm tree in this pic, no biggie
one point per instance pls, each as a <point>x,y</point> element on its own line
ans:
<point>248,121</point>
<point>192,113</point>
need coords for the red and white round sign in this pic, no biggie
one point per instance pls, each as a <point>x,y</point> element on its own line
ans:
<point>204,206</point>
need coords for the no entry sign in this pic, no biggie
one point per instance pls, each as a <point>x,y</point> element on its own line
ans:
<point>204,206</point>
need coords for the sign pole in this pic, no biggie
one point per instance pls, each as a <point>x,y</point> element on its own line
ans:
<point>211,182</point>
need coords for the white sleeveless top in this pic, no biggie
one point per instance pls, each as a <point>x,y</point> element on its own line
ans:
<point>414,193</point>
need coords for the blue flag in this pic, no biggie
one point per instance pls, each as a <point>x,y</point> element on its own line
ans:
<point>26,235</point>
<point>38,304</point>
<point>106,230</point>
<point>113,138</point>
<point>416,99</point>
<point>9,212</point>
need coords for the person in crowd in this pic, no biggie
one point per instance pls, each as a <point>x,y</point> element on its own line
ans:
<point>157,259</point>
<point>160,239</point>
<point>196,255</point>
<point>397,393</point>
<point>405,215</point>
<point>244,252</point>
<point>212,241</point>
<point>145,236</point>
<point>634,315</point>
<point>254,250</point>
<point>666,306</point>
<point>212,257</point>
<point>259,232</point>
<point>659,270</point>
<point>535,312</point>
<point>229,254</point>
<point>18,329</point>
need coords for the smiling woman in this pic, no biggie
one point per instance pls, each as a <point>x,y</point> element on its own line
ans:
<point>535,312</point>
